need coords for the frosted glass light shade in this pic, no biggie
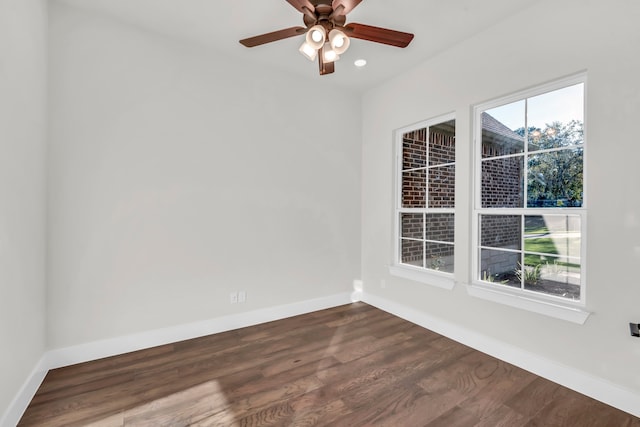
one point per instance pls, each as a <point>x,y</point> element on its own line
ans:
<point>339,41</point>
<point>328,54</point>
<point>308,51</point>
<point>316,36</point>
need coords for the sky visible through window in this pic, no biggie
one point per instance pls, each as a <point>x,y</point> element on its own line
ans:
<point>561,105</point>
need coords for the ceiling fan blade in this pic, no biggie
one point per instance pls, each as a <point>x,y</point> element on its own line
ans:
<point>349,5</point>
<point>378,35</point>
<point>273,36</point>
<point>301,4</point>
<point>309,17</point>
<point>338,17</point>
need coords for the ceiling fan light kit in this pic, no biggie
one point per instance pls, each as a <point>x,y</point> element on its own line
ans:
<point>308,51</point>
<point>339,41</point>
<point>328,54</point>
<point>316,36</point>
<point>326,35</point>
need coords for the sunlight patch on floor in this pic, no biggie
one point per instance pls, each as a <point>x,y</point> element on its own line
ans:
<point>201,405</point>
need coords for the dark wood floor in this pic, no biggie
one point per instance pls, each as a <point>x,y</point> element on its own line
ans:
<point>352,365</point>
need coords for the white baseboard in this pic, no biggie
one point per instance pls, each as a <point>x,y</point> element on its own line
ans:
<point>110,347</point>
<point>19,404</point>
<point>600,389</point>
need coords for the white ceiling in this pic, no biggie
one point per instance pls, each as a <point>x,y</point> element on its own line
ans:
<point>219,24</point>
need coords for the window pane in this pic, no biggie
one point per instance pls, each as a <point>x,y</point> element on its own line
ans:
<point>440,227</point>
<point>412,252</point>
<point>501,231</point>
<point>427,196</point>
<point>555,179</point>
<point>499,267</point>
<point>557,276</point>
<point>555,119</point>
<point>414,188</point>
<point>536,244</point>
<point>442,143</point>
<point>552,235</point>
<point>442,187</point>
<point>439,257</point>
<point>503,183</point>
<point>412,225</point>
<point>503,130</point>
<point>414,149</point>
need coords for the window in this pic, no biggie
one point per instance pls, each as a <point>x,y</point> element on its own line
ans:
<point>530,210</point>
<point>425,202</point>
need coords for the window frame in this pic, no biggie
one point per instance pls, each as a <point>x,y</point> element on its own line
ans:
<point>550,305</point>
<point>440,279</point>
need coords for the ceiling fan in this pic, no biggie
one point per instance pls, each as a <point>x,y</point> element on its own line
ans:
<point>327,36</point>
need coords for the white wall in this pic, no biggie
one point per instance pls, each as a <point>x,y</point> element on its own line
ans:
<point>22,191</point>
<point>551,40</point>
<point>177,176</point>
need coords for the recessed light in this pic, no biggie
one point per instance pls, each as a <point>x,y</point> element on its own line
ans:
<point>360,63</point>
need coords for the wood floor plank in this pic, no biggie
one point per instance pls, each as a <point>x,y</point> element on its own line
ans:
<point>455,417</point>
<point>503,416</point>
<point>182,408</point>
<point>535,396</point>
<point>400,406</point>
<point>490,397</point>
<point>352,365</point>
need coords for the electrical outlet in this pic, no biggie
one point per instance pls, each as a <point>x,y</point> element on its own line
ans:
<point>242,296</point>
<point>233,297</point>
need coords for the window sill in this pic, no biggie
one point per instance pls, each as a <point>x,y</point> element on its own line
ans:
<point>440,280</point>
<point>548,308</point>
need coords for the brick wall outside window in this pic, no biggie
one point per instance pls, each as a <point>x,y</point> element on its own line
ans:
<point>438,176</point>
<point>502,187</point>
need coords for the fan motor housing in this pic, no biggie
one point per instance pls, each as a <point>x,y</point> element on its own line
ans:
<point>323,16</point>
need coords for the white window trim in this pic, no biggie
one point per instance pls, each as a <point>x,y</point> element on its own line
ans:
<point>556,307</point>
<point>533,303</point>
<point>430,277</point>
